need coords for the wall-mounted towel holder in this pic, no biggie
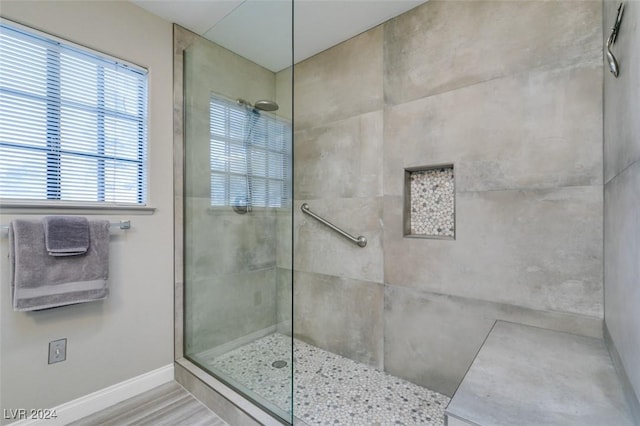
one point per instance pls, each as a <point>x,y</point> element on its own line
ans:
<point>123,224</point>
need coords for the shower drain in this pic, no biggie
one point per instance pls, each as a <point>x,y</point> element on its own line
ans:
<point>279,364</point>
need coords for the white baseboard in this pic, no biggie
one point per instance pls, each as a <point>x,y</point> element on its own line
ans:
<point>96,401</point>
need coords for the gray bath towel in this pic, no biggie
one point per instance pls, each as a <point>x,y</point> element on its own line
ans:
<point>40,281</point>
<point>66,235</point>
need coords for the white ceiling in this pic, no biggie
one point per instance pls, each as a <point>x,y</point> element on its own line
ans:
<point>260,30</point>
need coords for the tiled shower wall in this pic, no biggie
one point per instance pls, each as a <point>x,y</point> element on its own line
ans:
<point>622,199</point>
<point>230,260</point>
<point>510,94</point>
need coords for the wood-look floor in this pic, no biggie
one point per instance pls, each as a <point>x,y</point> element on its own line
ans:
<point>167,405</point>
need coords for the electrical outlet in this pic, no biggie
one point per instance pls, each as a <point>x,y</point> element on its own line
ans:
<point>57,351</point>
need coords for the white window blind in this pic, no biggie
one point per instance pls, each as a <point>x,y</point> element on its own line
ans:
<point>73,122</point>
<point>250,156</point>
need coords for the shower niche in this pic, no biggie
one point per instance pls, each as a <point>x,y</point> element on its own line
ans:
<point>429,202</point>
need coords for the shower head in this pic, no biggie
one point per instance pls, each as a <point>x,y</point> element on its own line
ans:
<point>262,105</point>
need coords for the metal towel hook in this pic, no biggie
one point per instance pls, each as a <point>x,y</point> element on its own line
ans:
<point>613,62</point>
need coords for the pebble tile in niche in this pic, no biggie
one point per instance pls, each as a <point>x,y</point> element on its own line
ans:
<point>328,388</point>
<point>432,202</point>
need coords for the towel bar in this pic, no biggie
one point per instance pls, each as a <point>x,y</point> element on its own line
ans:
<point>123,224</point>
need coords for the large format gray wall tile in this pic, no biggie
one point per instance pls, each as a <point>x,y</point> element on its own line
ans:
<point>229,259</point>
<point>223,308</point>
<point>210,68</point>
<point>622,198</point>
<point>533,130</point>
<point>621,101</point>
<point>284,300</point>
<point>284,237</point>
<point>530,120</point>
<point>340,160</point>
<point>540,249</point>
<point>341,82</point>
<point>221,71</point>
<point>284,93</point>
<point>197,150</point>
<point>444,45</point>
<point>431,339</point>
<point>219,241</point>
<point>322,250</point>
<point>340,315</point>
<point>622,267</point>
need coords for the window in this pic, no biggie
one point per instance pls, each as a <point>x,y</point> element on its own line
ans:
<point>73,122</point>
<point>250,156</point>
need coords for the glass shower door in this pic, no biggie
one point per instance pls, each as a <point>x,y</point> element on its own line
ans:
<point>238,220</point>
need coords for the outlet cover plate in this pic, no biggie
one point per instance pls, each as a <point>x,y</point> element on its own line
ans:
<point>57,351</point>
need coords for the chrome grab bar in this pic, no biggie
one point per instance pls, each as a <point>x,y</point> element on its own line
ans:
<point>361,241</point>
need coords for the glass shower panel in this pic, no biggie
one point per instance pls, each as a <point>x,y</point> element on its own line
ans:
<point>238,217</point>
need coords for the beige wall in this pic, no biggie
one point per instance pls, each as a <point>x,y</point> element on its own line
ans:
<point>622,199</point>
<point>516,106</point>
<point>130,333</point>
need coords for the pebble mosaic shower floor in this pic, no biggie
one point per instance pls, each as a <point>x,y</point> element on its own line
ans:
<point>329,389</point>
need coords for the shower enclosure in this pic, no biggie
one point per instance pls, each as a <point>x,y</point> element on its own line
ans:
<point>443,163</point>
<point>237,210</point>
<point>234,237</point>
<point>234,188</point>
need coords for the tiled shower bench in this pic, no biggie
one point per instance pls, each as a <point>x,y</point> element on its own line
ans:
<point>526,375</point>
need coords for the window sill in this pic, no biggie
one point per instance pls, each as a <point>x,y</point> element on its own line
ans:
<point>25,207</point>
